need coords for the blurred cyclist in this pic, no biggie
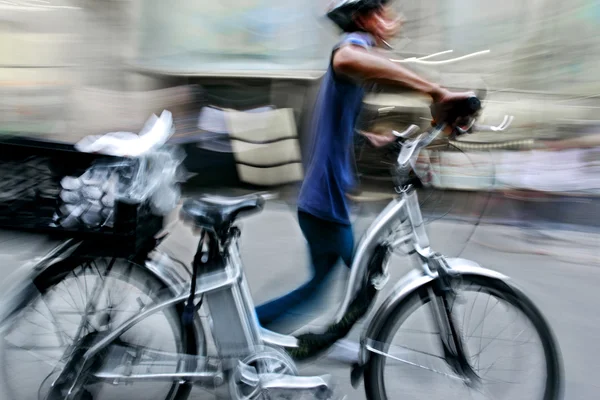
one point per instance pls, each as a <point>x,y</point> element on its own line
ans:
<point>323,211</point>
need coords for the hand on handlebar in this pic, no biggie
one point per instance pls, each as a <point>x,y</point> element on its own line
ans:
<point>411,148</point>
<point>454,108</point>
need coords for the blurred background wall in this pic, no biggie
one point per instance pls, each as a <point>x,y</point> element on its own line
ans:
<point>539,45</point>
<point>536,45</point>
<point>543,52</point>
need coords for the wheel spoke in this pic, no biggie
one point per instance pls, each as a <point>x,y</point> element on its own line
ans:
<point>388,355</point>
<point>39,354</point>
<point>496,335</point>
<point>377,347</point>
<point>481,322</point>
<point>40,339</point>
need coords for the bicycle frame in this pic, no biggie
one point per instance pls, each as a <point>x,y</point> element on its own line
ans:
<point>232,317</point>
<point>406,206</point>
<point>400,223</point>
<point>400,209</point>
<point>230,278</point>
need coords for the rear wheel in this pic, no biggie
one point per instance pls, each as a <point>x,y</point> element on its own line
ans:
<point>508,345</point>
<point>78,300</point>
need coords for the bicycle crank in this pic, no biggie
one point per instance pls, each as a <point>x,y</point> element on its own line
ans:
<point>272,374</point>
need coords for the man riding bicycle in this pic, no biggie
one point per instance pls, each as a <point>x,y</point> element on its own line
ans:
<point>323,211</point>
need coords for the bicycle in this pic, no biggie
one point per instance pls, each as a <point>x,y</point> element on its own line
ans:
<point>96,352</point>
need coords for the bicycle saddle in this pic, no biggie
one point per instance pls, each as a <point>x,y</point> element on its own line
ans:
<point>219,212</point>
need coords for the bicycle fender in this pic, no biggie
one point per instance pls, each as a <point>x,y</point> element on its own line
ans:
<point>176,279</point>
<point>411,283</point>
<point>20,287</point>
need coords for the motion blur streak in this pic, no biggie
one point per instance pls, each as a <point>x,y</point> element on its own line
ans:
<point>241,78</point>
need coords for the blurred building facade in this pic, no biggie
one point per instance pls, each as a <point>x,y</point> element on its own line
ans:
<point>539,45</point>
<point>48,48</point>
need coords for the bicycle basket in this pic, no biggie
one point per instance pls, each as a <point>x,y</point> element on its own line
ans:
<point>50,188</point>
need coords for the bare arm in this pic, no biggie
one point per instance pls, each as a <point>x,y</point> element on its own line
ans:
<point>356,62</point>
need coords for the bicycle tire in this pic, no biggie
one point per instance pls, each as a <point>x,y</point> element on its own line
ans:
<point>191,338</point>
<point>374,370</point>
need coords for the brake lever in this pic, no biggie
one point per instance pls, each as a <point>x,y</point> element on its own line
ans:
<point>409,148</point>
<point>506,122</point>
<point>413,129</point>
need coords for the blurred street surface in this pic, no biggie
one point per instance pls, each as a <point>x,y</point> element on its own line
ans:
<point>523,202</point>
<point>558,268</point>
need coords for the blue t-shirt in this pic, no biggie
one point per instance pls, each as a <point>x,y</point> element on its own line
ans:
<point>330,171</point>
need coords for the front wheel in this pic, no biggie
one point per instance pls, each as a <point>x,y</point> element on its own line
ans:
<point>507,343</point>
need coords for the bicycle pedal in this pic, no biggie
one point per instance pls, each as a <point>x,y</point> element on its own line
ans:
<point>289,394</point>
<point>331,394</point>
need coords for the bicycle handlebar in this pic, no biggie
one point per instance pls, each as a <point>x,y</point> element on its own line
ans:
<point>462,109</point>
<point>506,122</point>
<point>407,133</point>
<point>412,148</point>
